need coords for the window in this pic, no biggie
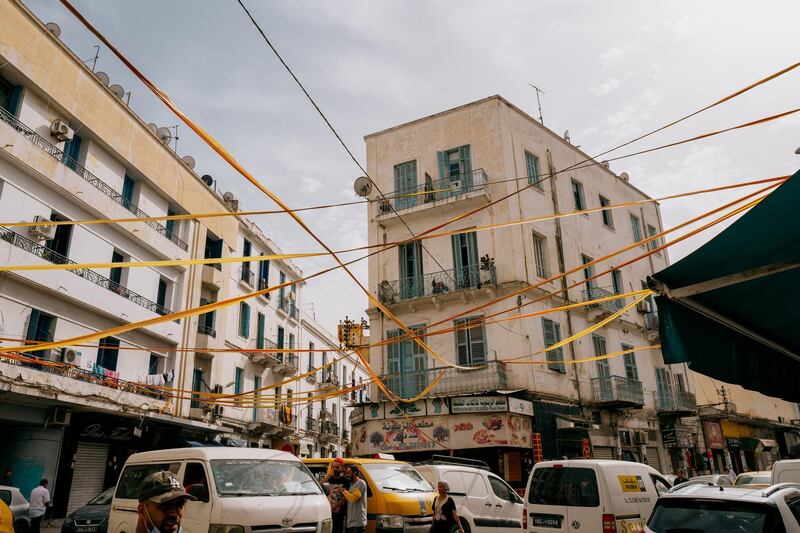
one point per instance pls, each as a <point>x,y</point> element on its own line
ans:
<point>608,221</point>
<point>161,297</point>
<point>794,505</point>
<point>502,490</point>
<point>132,476</point>
<point>455,162</point>
<point>465,260</point>
<point>603,368</point>
<point>470,342</point>
<point>256,395</point>
<point>631,370</point>
<point>198,384</point>
<point>107,353</point>
<point>616,282</point>
<point>662,487</point>
<point>205,323</point>
<point>574,487</point>
<point>552,335</point>
<point>263,275</point>
<point>539,255</point>
<point>282,290</point>
<point>291,341</point>
<point>169,224</point>
<point>153,365</point>
<point>411,280</point>
<point>41,327</point>
<point>406,363</point>
<point>10,97</point>
<point>238,383</point>
<point>680,383</point>
<point>60,243</point>
<point>128,186</point>
<point>195,481</point>
<point>588,273</point>
<point>281,337</point>
<point>261,322</point>
<point>705,514</point>
<point>636,227</point>
<point>625,438</point>
<point>72,152</point>
<point>310,356</point>
<point>116,275</point>
<point>405,183</point>
<point>213,250</point>
<point>577,195</point>
<point>244,320</point>
<point>655,243</point>
<point>247,250</point>
<point>532,165</point>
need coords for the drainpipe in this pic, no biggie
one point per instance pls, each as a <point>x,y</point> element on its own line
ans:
<point>187,330</point>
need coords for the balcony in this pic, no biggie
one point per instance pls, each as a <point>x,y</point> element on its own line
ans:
<point>651,325</point>
<point>287,419</point>
<point>489,378</point>
<point>265,416</point>
<point>436,192</point>
<point>205,329</point>
<point>287,306</point>
<point>328,430</point>
<point>268,359</point>
<point>618,392</point>
<point>312,425</point>
<point>604,308</point>
<point>212,276</point>
<point>673,402</point>
<point>287,363</point>
<point>47,254</point>
<point>93,180</point>
<point>330,380</point>
<point>436,283</point>
<point>247,276</point>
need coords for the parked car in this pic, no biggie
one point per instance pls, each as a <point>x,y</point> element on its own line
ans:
<point>720,480</point>
<point>399,500</point>
<point>12,497</point>
<point>582,495</point>
<point>759,479</point>
<point>92,517</point>
<point>787,470</point>
<point>485,502</point>
<point>237,490</point>
<point>696,507</point>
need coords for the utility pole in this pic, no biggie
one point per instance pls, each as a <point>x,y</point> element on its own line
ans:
<point>538,102</point>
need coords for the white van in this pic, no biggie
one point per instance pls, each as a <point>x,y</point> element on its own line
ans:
<point>485,503</point>
<point>586,495</point>
<point>786,471</point>
<point>239,490</point>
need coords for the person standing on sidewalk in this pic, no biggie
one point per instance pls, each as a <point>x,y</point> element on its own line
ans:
<point>356,497</point>
<point>40,501</point>
<point>161,501</point>
<point>336,479</point>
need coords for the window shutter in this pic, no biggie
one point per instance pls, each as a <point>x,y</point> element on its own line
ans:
<point>441,158</point>
<point>462,347</point>
<point>33,323</point>
<point>477,345</point>
<point>466,158</point>
<point>15,100</point>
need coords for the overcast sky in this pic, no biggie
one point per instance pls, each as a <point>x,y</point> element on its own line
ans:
<point>608,74</point>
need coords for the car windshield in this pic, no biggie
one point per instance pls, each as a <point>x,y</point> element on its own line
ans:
<point>683,515</point>
<point>747,479</point>
<point>397,477</point>
<point>256,477</point>
<point>104,498</point>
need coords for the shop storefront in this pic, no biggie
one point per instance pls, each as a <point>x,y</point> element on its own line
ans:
<point>678,442</point>
<point>715,446</point>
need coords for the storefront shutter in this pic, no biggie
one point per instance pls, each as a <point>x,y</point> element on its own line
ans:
<point>603,452</point>
<point>88,475</point>
<point>654,459</point>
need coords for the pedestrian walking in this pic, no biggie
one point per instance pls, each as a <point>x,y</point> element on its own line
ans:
<point>445,516</point>
<point>39,502</point>
<point>356,496</point>
<point>681,477</point>
<point>161,501</point>
<point>336,480</point>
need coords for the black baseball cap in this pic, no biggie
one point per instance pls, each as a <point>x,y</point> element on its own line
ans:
<point>160,487</point>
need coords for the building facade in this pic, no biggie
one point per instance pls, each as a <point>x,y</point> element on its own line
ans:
<point>72,150</point>
<point>433,169</point>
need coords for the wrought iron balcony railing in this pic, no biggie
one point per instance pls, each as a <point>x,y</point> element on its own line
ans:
<point>612,306</point>
<point>618,390</point>
<point>287,306</point>
<point>491,377</point>
<point>246,275</point>
<point>289,359</point>
<point>205,329</point>
<point>311,425</point>
<point>436,283</point>
<point>672,400</point>
<point>435,190</point>
<point>54,257</point>
<point>93,180</point>
<point>329,428</point>
<point>651,322</point>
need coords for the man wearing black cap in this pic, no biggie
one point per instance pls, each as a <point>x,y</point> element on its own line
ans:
<point>161,501</point>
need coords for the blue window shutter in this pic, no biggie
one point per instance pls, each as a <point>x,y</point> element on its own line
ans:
<point>72,149</point>
<point>170,224</point>
<point>441,158</point>
<point>464,153</point>
<point>127,191</point>
<point>33,324</point>
<point>14,101</point>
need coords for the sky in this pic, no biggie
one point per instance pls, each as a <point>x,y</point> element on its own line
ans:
<point>608,74</point>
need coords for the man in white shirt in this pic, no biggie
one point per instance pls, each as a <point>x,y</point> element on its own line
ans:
<point>40,501</point>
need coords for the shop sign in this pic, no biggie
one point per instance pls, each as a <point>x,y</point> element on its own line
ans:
<point>669,436</point>
<point>373,411</point>
<point>437,406</point>
<point>480,404</point>
<point>713,433</point>
<point>522,407</point>
<point>100,432</point>
<point>403,410</point>
<point>733,444</point>
<point>357,415</point>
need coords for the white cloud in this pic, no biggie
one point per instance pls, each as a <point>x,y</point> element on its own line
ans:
<point>606,87</point>
<point>310,185</point>
<point>610,57</point>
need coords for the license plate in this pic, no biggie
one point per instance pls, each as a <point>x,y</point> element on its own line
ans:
<point>547,520</point>
<point>86,529</point>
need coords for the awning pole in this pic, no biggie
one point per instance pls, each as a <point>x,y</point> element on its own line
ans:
<point>733,279</point>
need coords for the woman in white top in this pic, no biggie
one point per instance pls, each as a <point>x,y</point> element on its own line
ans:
<point>445,517</point>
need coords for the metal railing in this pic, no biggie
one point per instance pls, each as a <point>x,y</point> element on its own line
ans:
<point>617,389</point>
<point>247,275</point>
<point>440,189</point>
<point>329,428</point>
<point>93,180</point>
<point>289,359</point>
<point>468,277</point>
<point>671,400</point>
<point>651,321</point>
<point>311,424</point>
<point>207,330</point>
<point>54,257</point>
<point>330,377</point>
<point>287,306</point>
<point>612,306</point>
<point>493,376</point>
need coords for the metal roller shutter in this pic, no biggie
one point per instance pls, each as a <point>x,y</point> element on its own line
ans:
<point>603,452</point>
<point>653,458</point>
<point>88,474</point>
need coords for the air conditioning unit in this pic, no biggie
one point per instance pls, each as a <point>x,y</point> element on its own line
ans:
<point>640,437</point>
<point>60,416</point>
<point>795,421</point>
<point>71,356</point>
<point>61,130</point>
<point>42,232</point>
<point>643,307</point>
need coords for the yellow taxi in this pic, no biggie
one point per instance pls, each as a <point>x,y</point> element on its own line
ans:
<point>399,500</point>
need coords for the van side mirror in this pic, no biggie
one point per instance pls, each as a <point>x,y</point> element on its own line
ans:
<point>199,491</point>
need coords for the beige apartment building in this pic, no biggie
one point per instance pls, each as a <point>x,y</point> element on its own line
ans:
<point>430,170</point>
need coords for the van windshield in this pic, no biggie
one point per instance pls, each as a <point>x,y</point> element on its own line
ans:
<point>257,477</point>
<point>397,477</point>
<point>574,487</point>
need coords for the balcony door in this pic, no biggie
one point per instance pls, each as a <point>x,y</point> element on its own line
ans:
<point>455,170</point>
<point>411,277</point>
<point>465,260</point>
<point>405,183</point>
<point>603,369</point>
<point>664,388</point>
<point>406,364</point>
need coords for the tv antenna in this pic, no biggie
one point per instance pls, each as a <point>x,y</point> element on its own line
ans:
<point>538,102</point>
<point>95,58</point>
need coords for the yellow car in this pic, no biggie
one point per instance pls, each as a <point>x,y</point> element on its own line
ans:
<point>756,480</point>
<point>399,500</point>
<point>6,519</point>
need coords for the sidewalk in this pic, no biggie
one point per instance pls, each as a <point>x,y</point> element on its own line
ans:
<point>56,526</point>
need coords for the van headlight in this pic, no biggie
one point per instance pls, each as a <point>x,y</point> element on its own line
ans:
<point>326,526</point>
<point>225,528</point>
<point>389,521</point>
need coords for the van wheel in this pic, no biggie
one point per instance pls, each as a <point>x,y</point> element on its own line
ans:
<point>464,524</point>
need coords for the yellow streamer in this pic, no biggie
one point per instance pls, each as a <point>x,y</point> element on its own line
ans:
<point>516,360</point>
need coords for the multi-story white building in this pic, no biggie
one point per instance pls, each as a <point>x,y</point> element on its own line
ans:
<point>441,166</point>
<point>72,149</point>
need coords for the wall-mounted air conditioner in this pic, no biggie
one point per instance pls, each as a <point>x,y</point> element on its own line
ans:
<point>71,356</point>
<point>61,130</point>
<point>42,232</point>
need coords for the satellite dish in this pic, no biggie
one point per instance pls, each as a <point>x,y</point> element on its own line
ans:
<point>189,160</point>
<point>102,77</point>
<point>228,196</point>
<point>208,180</point>
<point>624,176</point>
<point>118,91</point>
<point>152,127</point>
<point>53,28</point>
<point>164,134</point>
<point>362,186</point>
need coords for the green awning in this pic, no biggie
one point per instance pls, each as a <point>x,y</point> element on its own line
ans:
<point>731,309</point>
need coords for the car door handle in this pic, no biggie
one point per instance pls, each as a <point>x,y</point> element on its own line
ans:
<point>497,505</point>
<point>488,504</point>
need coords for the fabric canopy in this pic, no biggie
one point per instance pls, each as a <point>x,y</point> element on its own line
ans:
<point>731,309</point>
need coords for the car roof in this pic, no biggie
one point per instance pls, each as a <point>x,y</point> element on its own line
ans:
<point>594,462</point>
<point>210,453</point>
<point>352,460</point>
<point>453,467</point>
<point>738,493</point>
